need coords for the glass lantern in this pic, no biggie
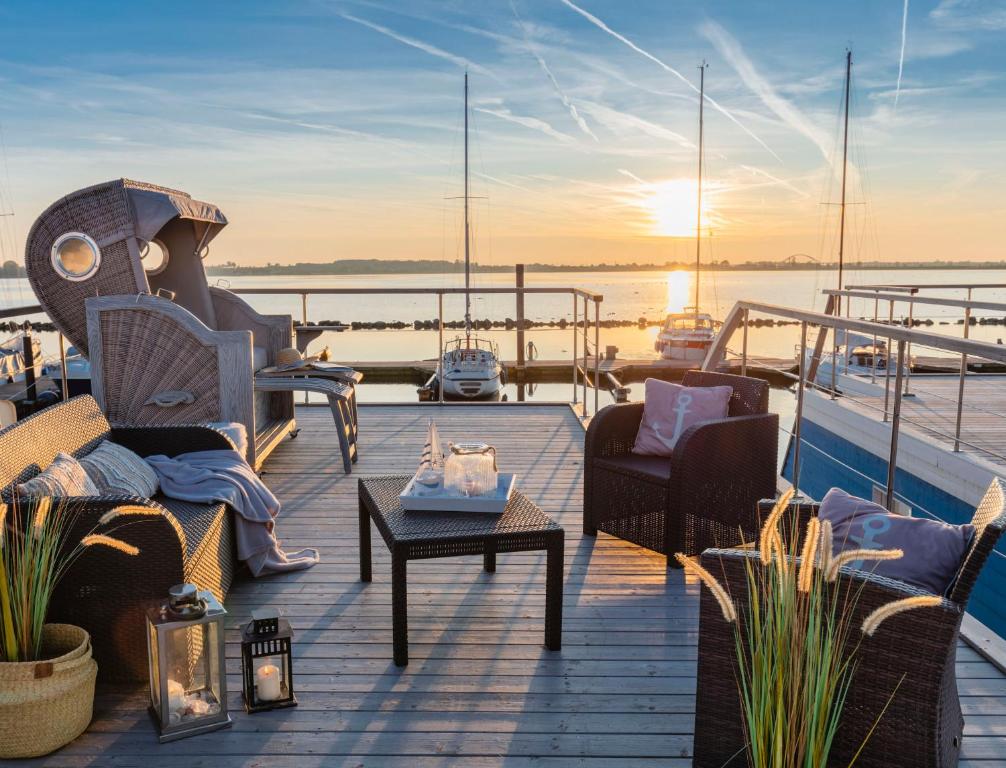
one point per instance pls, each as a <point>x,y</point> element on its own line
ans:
<point>471,470</point>
<point>185,647</point>
<point>266,662</point>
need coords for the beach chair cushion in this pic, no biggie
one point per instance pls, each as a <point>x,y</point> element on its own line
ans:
<point>669,409</point>
<point>933,550</point>
<point>63,477</point>
<point>116,470</point>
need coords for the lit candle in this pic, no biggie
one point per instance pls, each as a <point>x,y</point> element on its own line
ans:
<point>176,696</point>
<point>267,682</point>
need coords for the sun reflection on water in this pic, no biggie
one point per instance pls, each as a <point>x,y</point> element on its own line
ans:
<point>679,287</point>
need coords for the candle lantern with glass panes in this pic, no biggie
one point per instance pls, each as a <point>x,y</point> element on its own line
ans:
<point>266,662</point>
<point>188,680</point>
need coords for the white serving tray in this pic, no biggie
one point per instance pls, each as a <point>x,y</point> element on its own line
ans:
<point>438,500</point>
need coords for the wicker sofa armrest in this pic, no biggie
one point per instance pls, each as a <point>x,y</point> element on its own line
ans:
<point>171,441</point>
<point>273,332</point>
<point>794,520</point>
<point>613,429</point>
<point>722,467</point>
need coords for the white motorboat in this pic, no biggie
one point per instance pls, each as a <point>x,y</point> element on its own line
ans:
<point>686,336</point>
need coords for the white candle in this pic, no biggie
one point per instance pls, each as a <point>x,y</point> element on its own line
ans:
<point>176,696</point>
<point>267,682</point>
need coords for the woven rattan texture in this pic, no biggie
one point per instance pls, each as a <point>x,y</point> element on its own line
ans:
<point>717,473</point>
<point>913,653</point>
<point>141,355</point>
<point>521,516</point>
<point>101,211</point>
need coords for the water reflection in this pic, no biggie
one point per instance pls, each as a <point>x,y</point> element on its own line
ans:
<point>679,286</point>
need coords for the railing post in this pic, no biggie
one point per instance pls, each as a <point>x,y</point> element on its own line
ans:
<point>440,350</point>
<point>801,384</point>
<point>28,351</point>
<point>744,346</point>
<point>576,343</point>
<point>887,367</point>
<point>873,357</point>
<point>960,383</point>
<point>303,309</point>
<point>597,349</point>
<point>911,326</point>
<point>892,461</point>
<point>519,283</point>
<point>62,365</point>
<point>585,338</point>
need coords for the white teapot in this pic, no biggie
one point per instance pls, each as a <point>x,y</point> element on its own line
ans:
<point>470,469</point>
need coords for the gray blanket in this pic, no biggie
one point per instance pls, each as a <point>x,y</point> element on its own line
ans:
<point>224,476</point>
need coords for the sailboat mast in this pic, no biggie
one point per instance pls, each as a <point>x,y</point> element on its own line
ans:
<point>698,207</point>
<point>468,271</point>
<point>845,166</point>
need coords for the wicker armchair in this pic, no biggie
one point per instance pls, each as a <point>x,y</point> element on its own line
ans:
<point>913,652</point>
<point>105,591</point>
<point>704,495</point>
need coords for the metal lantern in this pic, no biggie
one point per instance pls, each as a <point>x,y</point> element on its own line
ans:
<point>185,648</point>
<point>266,662</point>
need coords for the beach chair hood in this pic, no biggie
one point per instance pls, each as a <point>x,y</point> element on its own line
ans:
<point>122,237</point>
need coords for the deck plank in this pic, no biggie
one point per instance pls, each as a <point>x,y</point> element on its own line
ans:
<point>480,691</point>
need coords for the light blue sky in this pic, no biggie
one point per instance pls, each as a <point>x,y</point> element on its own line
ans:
<point>331,129</point>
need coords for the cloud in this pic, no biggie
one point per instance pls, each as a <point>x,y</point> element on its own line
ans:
<point>548,73</point>
<point>528,122</point>
<point>970,14</point>
<point>619,121</point>
<point>901,58</point>
<point>621,38</point>
<point>731,50</point>
<point>459,61</point>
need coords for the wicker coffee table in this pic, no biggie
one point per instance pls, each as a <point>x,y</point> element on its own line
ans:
<point>423,535</point>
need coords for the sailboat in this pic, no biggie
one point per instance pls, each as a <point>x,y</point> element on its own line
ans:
<point>469,367</point>
<point>687,335</point>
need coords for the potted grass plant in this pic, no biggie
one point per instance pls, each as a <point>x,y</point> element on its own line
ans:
<point>46,671</point>
<point>796,646</point>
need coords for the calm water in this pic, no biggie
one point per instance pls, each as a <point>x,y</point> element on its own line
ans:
<point>627,296</point>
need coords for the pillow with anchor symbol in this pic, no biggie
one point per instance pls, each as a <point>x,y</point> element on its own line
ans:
<point>669,409</point>
<point>933,549</point>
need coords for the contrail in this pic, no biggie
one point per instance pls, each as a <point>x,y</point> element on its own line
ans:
<point>775,180</point>
<point>731,50</point>
<point>548,73</point>
<point>460,61</point>
<point>712,102</point>
<point>613,118</point>
<point>528,122</point>
<point>901,58</point>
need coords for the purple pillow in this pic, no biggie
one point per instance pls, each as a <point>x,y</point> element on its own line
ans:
<point>670,409</point>
<point>933,550</point>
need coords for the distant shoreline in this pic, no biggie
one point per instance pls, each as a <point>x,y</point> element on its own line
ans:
<point>421,267</point>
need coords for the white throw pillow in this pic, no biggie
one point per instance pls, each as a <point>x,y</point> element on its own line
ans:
<point>64,477</point>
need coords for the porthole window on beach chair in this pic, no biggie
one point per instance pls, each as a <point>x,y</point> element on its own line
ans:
<point>155,257</point>
<point>75,256</point>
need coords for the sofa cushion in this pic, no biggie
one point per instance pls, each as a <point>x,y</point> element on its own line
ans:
<point>933,550</point>
<point>652,469</point>
<point>669,409</point>
<point>116,470</point>
<point>64,477</point>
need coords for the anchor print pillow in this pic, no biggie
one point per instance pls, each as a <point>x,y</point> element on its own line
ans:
<point>933,550</point>
<point>670,409</point>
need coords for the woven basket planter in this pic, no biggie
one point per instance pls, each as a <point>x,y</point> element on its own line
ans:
<point>46,704</point>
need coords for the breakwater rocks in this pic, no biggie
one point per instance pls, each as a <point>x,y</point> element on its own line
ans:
<point>509,324</point>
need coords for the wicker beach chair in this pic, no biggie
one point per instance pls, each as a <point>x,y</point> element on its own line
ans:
<point>912,656</point>
<point>118,267</point>
<point>704,495</point>
<point>104,591</point>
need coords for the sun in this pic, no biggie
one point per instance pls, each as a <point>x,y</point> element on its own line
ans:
<point>671,205</point>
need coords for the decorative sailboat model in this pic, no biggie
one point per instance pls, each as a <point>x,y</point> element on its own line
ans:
<point>469,368</point>
<point>687,335</point>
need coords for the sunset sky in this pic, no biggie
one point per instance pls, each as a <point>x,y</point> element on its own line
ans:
<point>330,130</point>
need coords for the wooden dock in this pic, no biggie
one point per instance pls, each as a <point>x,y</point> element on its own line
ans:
<point>480,691</point>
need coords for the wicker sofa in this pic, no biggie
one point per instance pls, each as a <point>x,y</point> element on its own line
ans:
<point>914,652</point>
<point>105,591</point>
<point>704,495</point>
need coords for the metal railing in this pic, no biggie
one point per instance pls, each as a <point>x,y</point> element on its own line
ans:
<point>807,366</point>
<point>581,326</point>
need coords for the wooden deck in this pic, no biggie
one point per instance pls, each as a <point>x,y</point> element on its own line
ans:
<point>480,690</point>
